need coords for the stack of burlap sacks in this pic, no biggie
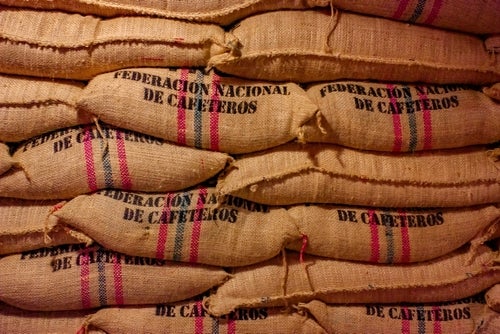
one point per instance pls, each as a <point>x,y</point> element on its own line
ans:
<point>249,166</point>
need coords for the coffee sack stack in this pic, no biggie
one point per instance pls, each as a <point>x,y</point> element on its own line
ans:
<point>209,168</point>
<point>382,180</point>
<point>102,209</point>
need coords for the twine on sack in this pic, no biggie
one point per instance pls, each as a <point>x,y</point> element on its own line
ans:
<point>285,278</point>
<point>319,124</point>
<point>95,119</point>
<point>305,241</point>
<point>334,20</point>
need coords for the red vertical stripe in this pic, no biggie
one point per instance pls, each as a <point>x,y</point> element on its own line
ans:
<point>122,160</point>
<point>427,117</point>
<point>195,236</point>
<point>214,114</point>
<point>405,240</point>
<point>396,120</point>
<point>436,7</point>
<point>403,4</point>
<point>89,159</point>
<point>117,276</point>
<point>85,278</point>
<point>181,110</point>
<point>163,229</point>
<point>405,323</point>
<point>375,243</point>
<point>198,320</point>
<point>437,323</point>
<point>231,326</point>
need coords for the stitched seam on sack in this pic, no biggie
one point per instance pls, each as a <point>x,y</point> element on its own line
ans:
<point>376,60</point>
<point>291,173</point>
<point>172,14</point>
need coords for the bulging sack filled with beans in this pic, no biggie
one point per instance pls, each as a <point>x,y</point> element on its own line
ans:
<point>191,317</point>
<point>221,12</point>
<point>325,173</point>
<point>188,226</point>
<point>199,109</point>
<point>295,278</point>
<point>462,15</point>
<point>71,46</point>
<point>309,45</point>
<point>390,235</point>
<point>73,161</point>
<point>32,106</point>
<point>6,160</point>
<point>28,225</point>
<point>467,315</point>
<point>17,321</point>
<point>73,277</point>
<point>400,117</point>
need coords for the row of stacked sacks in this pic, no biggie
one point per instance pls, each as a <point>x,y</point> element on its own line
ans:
<point>178,199</point>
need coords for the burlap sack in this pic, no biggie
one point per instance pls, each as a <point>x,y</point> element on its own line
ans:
<point>399,117</point>
<point>74,161</point>
<point>326,173</point>
<point>191,317</point>
<point>28,225</point>
<point>493,91</point>
<point>189,226</point>
<point>72,277</point>
<point>6,160</point>
<point>389,235</point>
<point>17,321</point>
<point>493,297</point>
<point>463,15</point>
<point>307,46</point>
<point>60,45</point>
<point>221,12</point>
<point>492,44</point>
<point>293,279</point>
<point>195,108</point>
<point>32,106</point>
<point>459,316</point>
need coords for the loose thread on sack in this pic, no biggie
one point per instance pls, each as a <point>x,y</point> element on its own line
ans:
<point>95,119</point>
<point>319,124</point>
<point>305,241</point>
<point>334,20</point>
